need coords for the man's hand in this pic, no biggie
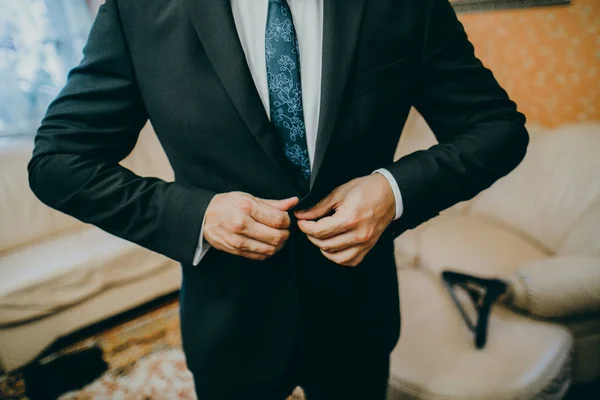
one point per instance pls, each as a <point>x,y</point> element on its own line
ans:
<point>241,224</point>
<point>363,208</point>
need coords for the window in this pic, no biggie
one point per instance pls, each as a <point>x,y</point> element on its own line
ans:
<point>40,41</point>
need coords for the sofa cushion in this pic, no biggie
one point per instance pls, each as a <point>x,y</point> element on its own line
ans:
<point>558,286</point>
<point>436,358</point>
<point>44,278</point>
<point>472,246</point>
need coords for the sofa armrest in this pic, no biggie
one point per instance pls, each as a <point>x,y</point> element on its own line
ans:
<point>557,287</point>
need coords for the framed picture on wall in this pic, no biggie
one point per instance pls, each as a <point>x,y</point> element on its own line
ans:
<point>486,5</point>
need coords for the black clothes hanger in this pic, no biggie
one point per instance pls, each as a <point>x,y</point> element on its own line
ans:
<point>482,292</point>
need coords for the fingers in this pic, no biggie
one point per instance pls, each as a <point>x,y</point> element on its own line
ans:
<point>266,234</point>
<point>326,227</point>
<point>243,244</point>
<point>251,228</point>
<point>270,216</point>
<point>251,256</point>
<point>350,257</point>
<point>241,224</point>
<point>264,231</point>
<point>338,243</point>
<point>274,213</point>
<point>321,209</point>
<point>283,205</point>
<point>261,212</point>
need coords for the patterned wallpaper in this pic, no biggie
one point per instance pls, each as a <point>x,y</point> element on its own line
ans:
<point>547,58</point>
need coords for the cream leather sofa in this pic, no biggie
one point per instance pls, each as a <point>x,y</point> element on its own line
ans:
<point>58,275</point>
<point>538,229</point>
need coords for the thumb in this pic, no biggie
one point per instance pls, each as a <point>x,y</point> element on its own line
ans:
<point>283,205</point>
<point>319,210</point>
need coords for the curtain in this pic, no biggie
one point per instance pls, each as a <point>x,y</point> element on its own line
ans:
<point>40,41</point>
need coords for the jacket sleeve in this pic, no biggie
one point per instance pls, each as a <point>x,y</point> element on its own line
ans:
<point>91,126</point>
<point>481,135</point>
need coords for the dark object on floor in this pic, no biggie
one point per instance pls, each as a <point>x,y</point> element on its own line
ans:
<point>482,292</point>
<point>48,379</point>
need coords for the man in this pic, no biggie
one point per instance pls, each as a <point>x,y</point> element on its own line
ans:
<point>280,119</point>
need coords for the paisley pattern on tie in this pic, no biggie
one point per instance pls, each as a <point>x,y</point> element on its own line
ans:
<point>285,89</point>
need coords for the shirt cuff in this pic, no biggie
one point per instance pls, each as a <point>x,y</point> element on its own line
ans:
<point>397,195</point>
<point>203,246</point>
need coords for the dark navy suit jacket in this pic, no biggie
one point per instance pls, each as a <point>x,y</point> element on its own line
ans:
<point>180,64</point>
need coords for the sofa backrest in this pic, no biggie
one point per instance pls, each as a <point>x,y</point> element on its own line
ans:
<point>148,157</point>
<point>553,196</point>
<point>416,135</point>
<point>548,195</point>
<point>24,219</point>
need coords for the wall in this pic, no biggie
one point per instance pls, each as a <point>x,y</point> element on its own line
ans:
<point>547,58</point>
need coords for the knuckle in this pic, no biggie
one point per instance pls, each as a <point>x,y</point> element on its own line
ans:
<point>277,239</point>
<point>237,243</point>
<point>363,236</point>
<point>246,205</point>
<point>279,219</point>
<point>238,225</point>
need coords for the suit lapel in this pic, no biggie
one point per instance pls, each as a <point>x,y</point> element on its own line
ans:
<point>214,23</point>
<point>341,25</point>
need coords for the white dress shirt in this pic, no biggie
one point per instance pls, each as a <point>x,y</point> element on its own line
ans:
<point>250,20</point>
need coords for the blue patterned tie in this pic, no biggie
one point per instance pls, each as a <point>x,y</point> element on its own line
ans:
<point>285,88</point>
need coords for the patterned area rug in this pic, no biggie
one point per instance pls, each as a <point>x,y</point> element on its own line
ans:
<point>144,358</point>
<point>160,375</point>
